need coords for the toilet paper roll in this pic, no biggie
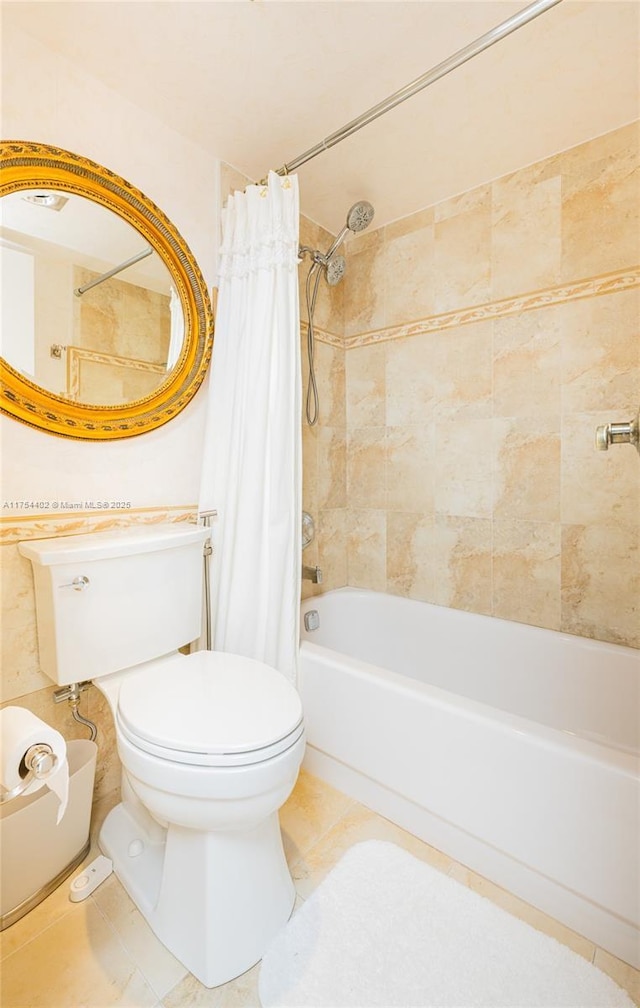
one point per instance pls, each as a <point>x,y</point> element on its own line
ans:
<point>20,731</point>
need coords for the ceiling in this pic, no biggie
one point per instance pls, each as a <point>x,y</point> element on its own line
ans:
<point>258,82</point>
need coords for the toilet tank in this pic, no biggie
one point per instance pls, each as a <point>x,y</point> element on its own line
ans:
<point>108,600</point>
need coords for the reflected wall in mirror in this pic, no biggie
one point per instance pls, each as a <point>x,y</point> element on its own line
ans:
<point>106,322</point>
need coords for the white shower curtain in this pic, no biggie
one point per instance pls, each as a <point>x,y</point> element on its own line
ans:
<point>252,452</point>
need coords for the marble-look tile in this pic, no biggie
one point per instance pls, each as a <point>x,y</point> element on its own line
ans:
<point>411,379</point>
<point>160,968</point>
<point>601,353</point>
<point>626,976</point>
<point>527,364</point>
<point>462,563</point>
<point>409,275</point>
<point>364,290</point>
<point>526,572</point>
<point>527,469</point>
<point>365,386</point>
<point>78,960</point>
<point>601,582</point>
<point>598,488</point>
<point>462,251</point>
<point>464,461</point>
<point>16,586</point>
<point>470,202</point>
<point>332,468</point>
<point>330,377</point>
<point>312,808</point>
<point>462,369</point>
<point>600,206</point>
<point>20,661</point>
<point>332,548</point>
<point>366,549</point>
<point>410,568</point>
<point>366,481</point>
<point>523,911</point>
<point>410,468</point>
<point>357,825</point>
<point>526,235</point>
<point>371,238</point>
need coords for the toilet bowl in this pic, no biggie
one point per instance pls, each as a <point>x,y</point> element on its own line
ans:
<point>210,743</point>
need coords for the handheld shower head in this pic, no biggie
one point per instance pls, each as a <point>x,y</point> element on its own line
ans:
<point>336,269</point>
<point>359,217</point>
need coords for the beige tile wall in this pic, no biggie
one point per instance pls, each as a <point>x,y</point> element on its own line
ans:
<point>486,338</point>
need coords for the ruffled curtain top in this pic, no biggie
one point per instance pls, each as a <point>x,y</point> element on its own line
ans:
<point>260,232</point>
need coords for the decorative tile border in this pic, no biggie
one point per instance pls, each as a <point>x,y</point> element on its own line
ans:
<point>45,526</point>
<point>608,283</point>
<point>323,335</point>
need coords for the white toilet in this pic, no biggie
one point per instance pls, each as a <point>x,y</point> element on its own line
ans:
<point>210,743</point>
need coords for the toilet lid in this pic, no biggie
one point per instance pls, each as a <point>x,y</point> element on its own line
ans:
<point>210,704</point>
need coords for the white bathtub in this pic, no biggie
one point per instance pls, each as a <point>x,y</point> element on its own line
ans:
<point>512,749</point>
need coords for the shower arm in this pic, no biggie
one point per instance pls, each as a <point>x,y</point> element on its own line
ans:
<point>501,30</point>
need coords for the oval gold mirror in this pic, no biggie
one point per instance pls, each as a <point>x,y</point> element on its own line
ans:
<point>106,320</point>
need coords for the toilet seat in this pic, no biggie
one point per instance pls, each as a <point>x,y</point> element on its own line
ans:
<point>210,709</point>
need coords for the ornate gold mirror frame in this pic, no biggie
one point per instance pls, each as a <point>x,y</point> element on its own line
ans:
<point>26,165</point>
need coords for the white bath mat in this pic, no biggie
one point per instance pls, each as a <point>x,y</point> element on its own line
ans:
<point>384,929</point>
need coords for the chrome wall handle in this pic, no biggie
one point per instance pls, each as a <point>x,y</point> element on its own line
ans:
<point>618,433</point>
<point>79,583</point>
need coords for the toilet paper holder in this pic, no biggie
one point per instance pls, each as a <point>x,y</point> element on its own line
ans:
<point>40,761</point>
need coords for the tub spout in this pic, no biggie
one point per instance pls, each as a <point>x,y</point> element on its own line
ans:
<point>313,574</point>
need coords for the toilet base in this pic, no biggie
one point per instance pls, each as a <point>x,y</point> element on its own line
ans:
<point>214,899</point>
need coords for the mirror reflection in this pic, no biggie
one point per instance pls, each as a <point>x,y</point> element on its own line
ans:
<point>89,311</point>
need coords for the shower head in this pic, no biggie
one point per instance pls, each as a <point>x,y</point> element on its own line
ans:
<point>359,217</point>
<point>335,269</point>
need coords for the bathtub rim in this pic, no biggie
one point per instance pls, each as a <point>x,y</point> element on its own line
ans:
<point>592,643</point>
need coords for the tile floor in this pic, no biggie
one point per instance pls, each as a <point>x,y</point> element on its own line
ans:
<point>101,953</point>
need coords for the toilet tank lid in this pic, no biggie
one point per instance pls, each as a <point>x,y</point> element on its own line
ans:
<point>115,543</point>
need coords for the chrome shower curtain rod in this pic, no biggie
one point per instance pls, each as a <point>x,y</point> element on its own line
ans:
<point>461,56</point>
<point>79,291</point>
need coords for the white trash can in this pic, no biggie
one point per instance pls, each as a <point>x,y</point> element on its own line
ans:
<point>36,855</point>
